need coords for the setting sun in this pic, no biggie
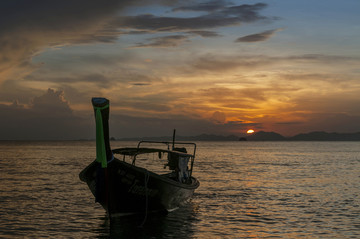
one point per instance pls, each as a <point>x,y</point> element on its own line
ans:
<point>250,131</point>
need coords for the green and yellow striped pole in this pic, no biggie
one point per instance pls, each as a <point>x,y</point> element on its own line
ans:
<point>103,150</point>
<point>101,110</point>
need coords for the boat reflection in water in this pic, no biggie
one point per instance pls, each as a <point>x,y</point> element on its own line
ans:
<point>123,188</point>
<point>180,223</point>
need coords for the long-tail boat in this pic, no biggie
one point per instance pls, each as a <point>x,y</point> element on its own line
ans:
<point>123,187</point>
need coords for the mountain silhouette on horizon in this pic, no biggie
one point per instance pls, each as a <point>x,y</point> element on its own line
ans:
<point>312,136</point>
<point>259,136</point>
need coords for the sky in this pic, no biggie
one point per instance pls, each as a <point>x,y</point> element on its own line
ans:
<point>215,67</point>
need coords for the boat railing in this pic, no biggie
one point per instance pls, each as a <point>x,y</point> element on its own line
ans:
<point>174,147</point>
<point>170,143</point>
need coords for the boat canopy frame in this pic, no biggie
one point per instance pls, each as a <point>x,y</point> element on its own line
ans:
<point>139,150</point>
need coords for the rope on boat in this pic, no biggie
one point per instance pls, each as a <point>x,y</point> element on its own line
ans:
<point>146,180</point>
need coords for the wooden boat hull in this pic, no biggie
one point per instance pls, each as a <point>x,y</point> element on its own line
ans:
<point>124,189</point>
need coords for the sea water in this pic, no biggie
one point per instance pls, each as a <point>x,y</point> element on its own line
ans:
<point>248,190</point>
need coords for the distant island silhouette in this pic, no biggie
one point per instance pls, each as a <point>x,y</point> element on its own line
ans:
<point>259,136</point>
<point>312,136</point>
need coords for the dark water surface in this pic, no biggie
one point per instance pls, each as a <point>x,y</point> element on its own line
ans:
<point>248,190</point>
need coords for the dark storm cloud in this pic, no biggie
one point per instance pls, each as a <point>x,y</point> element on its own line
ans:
<point>54,17</point>
<point>225,9</point>
<point>53,102</point>
<point>28,17</point>
<point>226,16</point>
<point>245,12</point>
<point>48,116</point>
<point>262,36</point>
<point>27,27</point>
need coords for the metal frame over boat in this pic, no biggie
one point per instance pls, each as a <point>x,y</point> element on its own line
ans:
<point>123,188</point>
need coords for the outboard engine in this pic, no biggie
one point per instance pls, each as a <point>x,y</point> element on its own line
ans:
<point>179,164</point>
<point>173,158</point>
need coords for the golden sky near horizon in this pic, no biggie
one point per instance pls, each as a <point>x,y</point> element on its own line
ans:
<point>219,67</point>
